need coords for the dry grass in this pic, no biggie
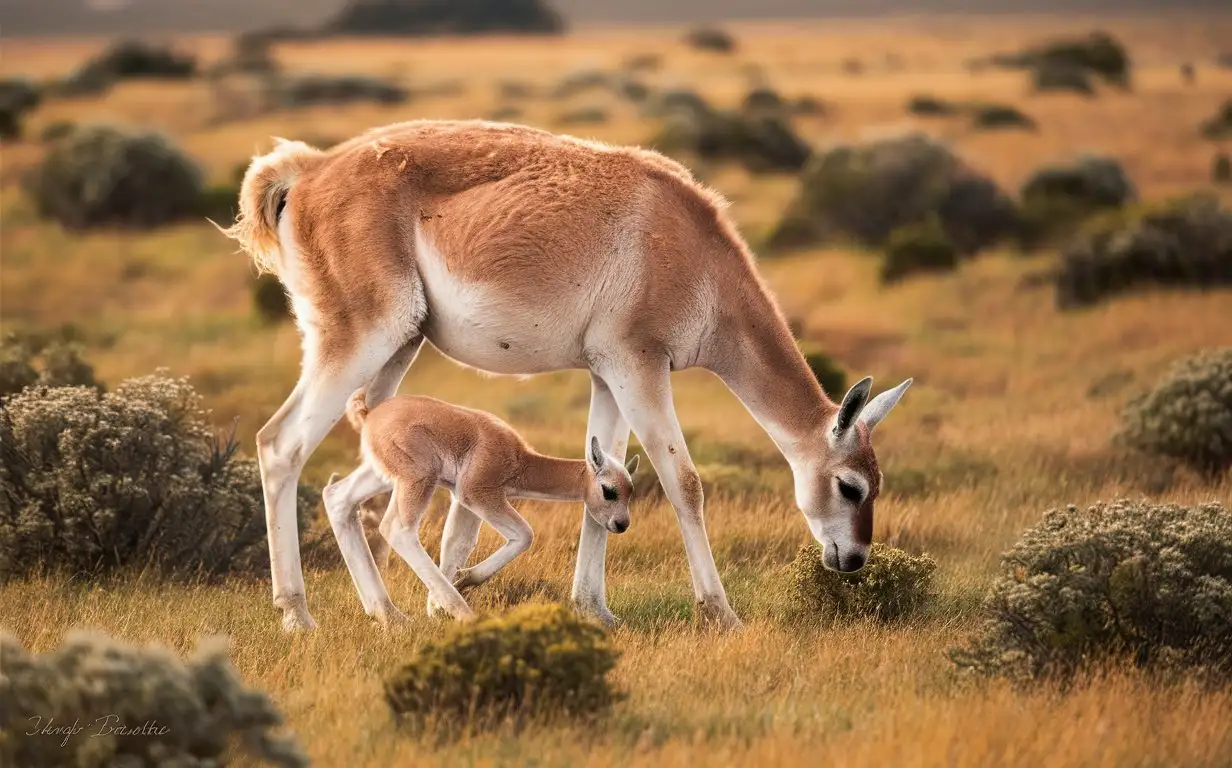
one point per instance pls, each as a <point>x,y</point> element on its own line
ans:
<point>1000,413</point>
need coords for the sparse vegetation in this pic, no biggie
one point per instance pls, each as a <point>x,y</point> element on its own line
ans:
<point>891,586</point>
<point>1182,244</point>
<point>711,39</point>
<point>309,90</point>
<point>26,361</point>
<point>114,704</point>
<point>444,17</point>
<point>760,140</point>
<point>918,248</point>
<point>931,106</point>
<point>866,192</point>
<point>1060,76</point>
<point>93,482</point>
<point>990,117</point>
<point>538,662</point>
<point>104,175</point>
<point>1058,197</point>
<point>126,60</point>
<point>1145,584</point>
<point>1188,415</point>
<point>1099,53</point>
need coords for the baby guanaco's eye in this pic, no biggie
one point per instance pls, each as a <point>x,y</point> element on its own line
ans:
<point>610,493</point>
<point>850,492</point>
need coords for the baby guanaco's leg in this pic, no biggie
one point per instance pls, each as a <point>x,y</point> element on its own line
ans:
<point>412,496</point>
<point>495,510</point>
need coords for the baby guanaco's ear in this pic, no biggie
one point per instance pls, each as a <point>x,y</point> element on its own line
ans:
<point>596,454</point>
<point>632,465</point>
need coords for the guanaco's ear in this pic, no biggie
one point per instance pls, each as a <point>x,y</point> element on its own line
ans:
<point>632,465</point>
<point>852,404</point>
<point>596,454</point>
<point>880,406</point>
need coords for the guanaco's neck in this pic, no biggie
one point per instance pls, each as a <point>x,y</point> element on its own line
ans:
<point>757,358</point>
<point>550,478</point>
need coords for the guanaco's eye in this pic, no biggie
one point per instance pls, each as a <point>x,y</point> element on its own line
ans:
<point>610,493</point>
<point>850,492</point>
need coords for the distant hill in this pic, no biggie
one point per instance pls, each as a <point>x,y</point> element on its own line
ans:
<point>112,17</point>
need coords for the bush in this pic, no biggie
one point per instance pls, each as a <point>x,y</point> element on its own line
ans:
<point>537,662</point>
<point>762,142</point>
<point>914,248</point>
<point>762,99</point>
<point>1186,243</point>
<point>991,117</point>
<point>26,361</point>
<point>1188,416</point>
<point>133,706</point>
<point>444,17</point>
<point>711,39</point>
<point>891,586</point>
<point>19,93</point>
<point>808,106</point>
<point>866,192</point>
<point>1221,169</point>
<point>312,90</point>
<point>1137,582</point>
<point>931,106</point>
<point>92,482</point>
<point>581,81</point>
<point>1219,126</point>
<point>125,60</point>
<point>1058,76</point>
<point>103,175</point>
<point>1098,53</point>
<point>829,373</point>
<point>1057,198</point>
<point>10,123</point>
<point>583,116</point>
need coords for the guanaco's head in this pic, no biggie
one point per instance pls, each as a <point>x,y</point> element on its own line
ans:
<point>838,484</point>
<point>609,488</point>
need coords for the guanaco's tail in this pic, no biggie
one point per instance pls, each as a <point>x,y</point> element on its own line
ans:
<point>357,410</point>
<point>263,195</point>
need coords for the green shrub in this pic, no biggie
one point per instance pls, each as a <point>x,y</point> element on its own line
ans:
<point>125,60</point>
<point>866,192</point>
<point>270,300</point>
<point>1221,169</point>
<point>892,585</point>
<point>20,93</point>
<point>103,175</point>
<point>763,98</point>
<point>26,361</point>
<point>1182,244</point>
<point>915,248</point>
<point>924,105</point>
<point>1188,416</point>
<point>634,90</point>
<point>829,373</point>
<point>761,141</point>
<point>92,482</point>
<point>1149,584</point>
<point>581,81</point>
<point>1099,53</point>
<point>312,90</point>
<point>583,116</point>
<point>711,39</point>
<point>1057,198</point>
<point>444,17</point>
<point>991,117</point>
<point>1059,76</point>
<point>537,662</point>
<point>133,706</point>
<point>1219,126</point>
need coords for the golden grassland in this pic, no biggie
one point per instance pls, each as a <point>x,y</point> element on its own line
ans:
<point>1004,416</point>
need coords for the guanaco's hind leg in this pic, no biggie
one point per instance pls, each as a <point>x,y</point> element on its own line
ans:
<point>458,541</point>
<point>283,447</point>
<point>412,496</point>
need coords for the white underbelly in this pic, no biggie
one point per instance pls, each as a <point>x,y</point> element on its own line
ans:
<point>476,325</point>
